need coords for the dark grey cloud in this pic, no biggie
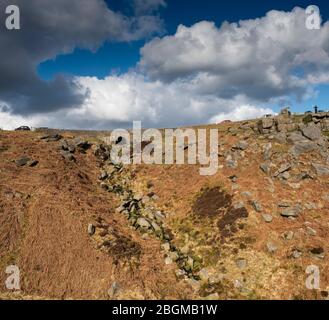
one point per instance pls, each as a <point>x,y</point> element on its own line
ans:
<point>203,73</point>
<point>50,28</point>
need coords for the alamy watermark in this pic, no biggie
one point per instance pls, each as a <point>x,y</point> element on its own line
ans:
<point>13,281</point>
<point>13,18</point>
<point>313,279</point>
<point>313,20</point>
<point>166,146</point>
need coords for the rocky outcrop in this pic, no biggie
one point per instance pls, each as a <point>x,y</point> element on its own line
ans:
<point>310,125</point>
<point>304,134</point>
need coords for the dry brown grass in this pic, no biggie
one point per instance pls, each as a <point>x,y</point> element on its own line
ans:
<point>44,214</point>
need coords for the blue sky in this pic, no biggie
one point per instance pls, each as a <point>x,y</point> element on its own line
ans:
<point>105,63</point>
<point>120,57</point>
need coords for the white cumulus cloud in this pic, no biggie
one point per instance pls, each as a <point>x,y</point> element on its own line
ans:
<point>263,58</point>
<point>117,101</point>
<point>204,74</point>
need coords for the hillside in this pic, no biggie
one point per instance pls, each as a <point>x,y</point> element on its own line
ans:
<point>80,227</point>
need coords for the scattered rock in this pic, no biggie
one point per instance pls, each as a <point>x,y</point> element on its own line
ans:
<point>168,261</point>
<point>267,151</point>
<point>33,163</point>
<point>270,187</point>
<point>189,264</point>
<point>303,147</point>
<point>157,229</point>
<point>180,274</point>
<point>246,194</point>
<point>166,246</point>
<point>91,229</point>
<point>64,145</point>
<point>71,148</point>
<point>138,197</point>
<point>285,175</point>
<point>81,143</point>
<point>284,167</point>
<point>284,204</point>
<point>267,123</point>
<point>239,205</point>
<point>303,176</point>
<point>143,223</point>
<point>101,151</point>
<point>159,216</point>
<point>194,284</point>
<point>281,137</point>
<point>103,175</point>
<point>266,168</point>
<point>288,235</point>
<point>296,137</point>
<point>321,170</point>
<point>52,137</point>
<point>291,212</point>
<point>318,252</point>
<point>312,132</point>
<point>174,256</point>
<point>267,218</point>
<point>215,279</point>
<point>242,145</point>
<point>257,206</point>
<point>271,247</point>
<point>233,179</point>
<point>296,253</point>
<point>67,155</point>
<point>204,275</point>
<point>230,163</point>
<point>310,231</point>
<point>22,161</point>
<point>246,126</point>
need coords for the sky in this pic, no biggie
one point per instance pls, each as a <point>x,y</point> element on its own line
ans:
<point>96,64</point>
